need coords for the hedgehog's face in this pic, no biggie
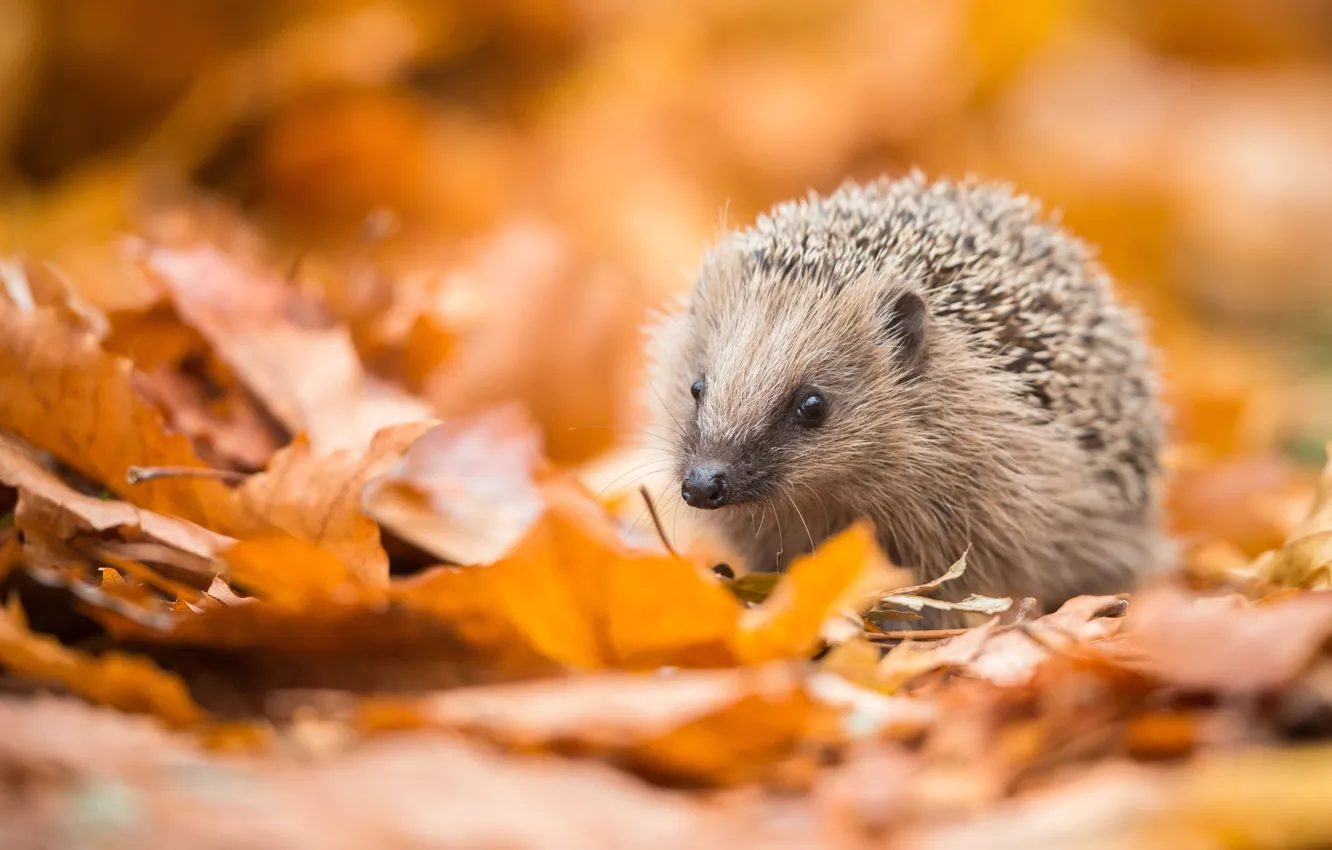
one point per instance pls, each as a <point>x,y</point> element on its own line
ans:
<point>788,388</point>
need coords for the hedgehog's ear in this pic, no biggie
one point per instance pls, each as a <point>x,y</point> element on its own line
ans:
<point>902,323</point>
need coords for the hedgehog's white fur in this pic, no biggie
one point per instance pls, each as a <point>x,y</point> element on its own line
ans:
<point>1029,429</point>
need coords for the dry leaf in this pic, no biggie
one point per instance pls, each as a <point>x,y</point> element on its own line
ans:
<point>576,595</point>
<point>557,331</point>
<point>95,762</point>
<point>226,427</point>
<point>955,571</point>
<point>126,682</point>
<point>974,603</point>
<point>1305,559</point>
<point>1013,657</point>
<point>52,514</point>
<point>466,491</point>
<point>318,499</point>
<point>60,392</point>
<point>909,659</point>
<point>567,595</point>
<point>814,588</point>
<point>1222,644</point>
<point>755,587</point>
<point>11,552</point>
<point>703,726</point>
<point>288,572</point>
<point>910,597</point>
<point>304,369</point>
<point>579,598</point>
<point>220,591</point>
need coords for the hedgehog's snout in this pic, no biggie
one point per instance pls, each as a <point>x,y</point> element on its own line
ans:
<point>705,487</point>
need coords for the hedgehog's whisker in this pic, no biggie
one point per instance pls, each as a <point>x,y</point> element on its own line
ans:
<point>802,520</point>
<point>642,431</point>
<point>613,481</point>
<point>679,429</point>
<point>823,506</point>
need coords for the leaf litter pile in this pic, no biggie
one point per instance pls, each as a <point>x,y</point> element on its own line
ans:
<point>320,521</point>
<point>527,657</point>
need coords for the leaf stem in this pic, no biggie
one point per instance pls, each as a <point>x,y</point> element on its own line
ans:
<point>915,634</point>
<point>656,520</point>
<point>140,474</point>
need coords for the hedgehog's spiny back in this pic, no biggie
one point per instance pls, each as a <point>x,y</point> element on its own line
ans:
<point>1023,292</point>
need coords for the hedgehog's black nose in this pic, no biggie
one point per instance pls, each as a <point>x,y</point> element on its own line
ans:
<point>705,487</point>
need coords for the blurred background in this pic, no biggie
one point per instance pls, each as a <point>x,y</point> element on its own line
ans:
<point>492,194</point>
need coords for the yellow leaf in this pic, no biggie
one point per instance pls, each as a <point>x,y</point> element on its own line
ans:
<point>579,598</point>
<point>815,587</point>
<point>126,682</point>
<point>291,573</point>
<point>61,392</point>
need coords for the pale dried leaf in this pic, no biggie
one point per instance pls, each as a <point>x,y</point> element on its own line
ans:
<point>467,490</point>
<point>909,659</point>
<point>955,571</point>
<point>974,603</point>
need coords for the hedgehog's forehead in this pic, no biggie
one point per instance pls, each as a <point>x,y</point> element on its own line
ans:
<point>760,335</point>
<point>746,297</point>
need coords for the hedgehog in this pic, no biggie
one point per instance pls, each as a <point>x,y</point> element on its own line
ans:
<point>940,360</point>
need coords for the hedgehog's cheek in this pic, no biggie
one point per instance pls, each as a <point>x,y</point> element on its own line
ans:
<point>752,481</point>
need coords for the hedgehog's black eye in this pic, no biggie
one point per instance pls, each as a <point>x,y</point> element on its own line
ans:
<point>811,408</point>
<point>696,389</point>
